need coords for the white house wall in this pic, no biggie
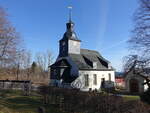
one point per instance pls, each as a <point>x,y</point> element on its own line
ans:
<point>80,81</point>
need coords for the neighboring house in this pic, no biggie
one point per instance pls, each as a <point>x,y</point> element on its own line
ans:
<point>134,83</point>
<point>119,79</point>
<point>80,68</point>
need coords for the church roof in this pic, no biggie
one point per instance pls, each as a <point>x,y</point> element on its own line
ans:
<point>62,63</point>
<point>85,61</point>
<point>86,58</point>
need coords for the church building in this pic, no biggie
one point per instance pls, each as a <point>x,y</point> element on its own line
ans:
<point>79,68</point>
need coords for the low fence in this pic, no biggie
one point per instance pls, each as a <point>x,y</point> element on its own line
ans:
<point>15,84</point>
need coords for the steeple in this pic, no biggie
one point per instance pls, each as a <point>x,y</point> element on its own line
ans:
<point>70,34</point>
<point>70,12</point>
<point>69,44</point>
<point>70,24</point>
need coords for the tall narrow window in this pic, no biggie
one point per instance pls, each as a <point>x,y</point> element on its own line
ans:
<point>86,80</point>
<point>109,75</point>
<point>95,79</point>
<point>102,82</point>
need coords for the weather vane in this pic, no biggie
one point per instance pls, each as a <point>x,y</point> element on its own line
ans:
<point>70,12</point>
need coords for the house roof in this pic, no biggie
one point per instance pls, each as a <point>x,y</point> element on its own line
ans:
<point>61,63</point>
<point>86,58</point>
<point>85,61</point>
<point>92,54</point>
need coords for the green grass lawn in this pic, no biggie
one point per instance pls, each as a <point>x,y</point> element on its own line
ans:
<point>15,102</point>
<point>130,97</point>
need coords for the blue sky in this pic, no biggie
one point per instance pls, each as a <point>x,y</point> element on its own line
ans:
<point>102,25</point>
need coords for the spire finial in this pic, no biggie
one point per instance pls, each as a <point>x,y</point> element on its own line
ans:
<point>70,12</point>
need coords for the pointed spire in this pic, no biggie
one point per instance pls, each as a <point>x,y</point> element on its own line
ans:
<point>70,24</point>
<point>70,13</point>
<point>70,34</point>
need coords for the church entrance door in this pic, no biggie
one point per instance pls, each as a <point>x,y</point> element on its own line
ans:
<point>134,86</point>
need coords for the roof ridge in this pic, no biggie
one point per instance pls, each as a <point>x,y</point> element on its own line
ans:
<point>90,50</point>
<point>83,51</point>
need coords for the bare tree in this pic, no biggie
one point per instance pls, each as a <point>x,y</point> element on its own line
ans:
<point>27,58</point>
<point>50,58</point>
<point>140,40</point>
<point>9,46</point>
<point>40,59</point>
<point>44,59</point>
<point>9,40</point>
<point>22,64</point>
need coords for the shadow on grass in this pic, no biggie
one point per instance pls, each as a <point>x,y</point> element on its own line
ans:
<point>28,102</point>
<point>8,93</point>
<point>23,104</point>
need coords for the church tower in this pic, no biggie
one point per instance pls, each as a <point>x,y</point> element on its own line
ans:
<point>69,44</point>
